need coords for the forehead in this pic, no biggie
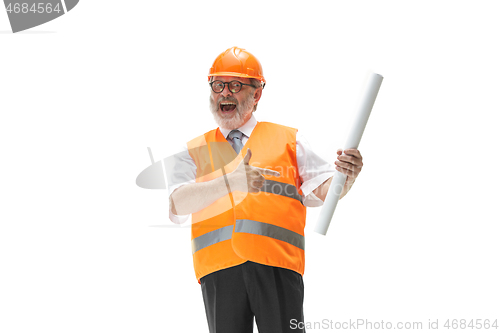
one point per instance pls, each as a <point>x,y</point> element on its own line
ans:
<point>231,78</point>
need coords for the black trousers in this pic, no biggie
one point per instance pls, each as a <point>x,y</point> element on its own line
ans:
<point>233,296</point>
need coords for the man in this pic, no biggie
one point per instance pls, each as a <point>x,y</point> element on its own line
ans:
<point>247,184</point>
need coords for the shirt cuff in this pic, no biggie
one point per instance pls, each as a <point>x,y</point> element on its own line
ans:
<point>310,199</point>
<point>177,219</point>
<point>312,184</point>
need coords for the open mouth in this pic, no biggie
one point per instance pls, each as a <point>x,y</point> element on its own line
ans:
<point>227,106</point>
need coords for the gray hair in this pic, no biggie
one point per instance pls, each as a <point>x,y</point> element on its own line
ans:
<point>257,84</point>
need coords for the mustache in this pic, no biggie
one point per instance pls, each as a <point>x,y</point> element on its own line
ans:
<point>227,99</point>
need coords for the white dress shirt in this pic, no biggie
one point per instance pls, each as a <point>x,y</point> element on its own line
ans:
<point>313,170</point>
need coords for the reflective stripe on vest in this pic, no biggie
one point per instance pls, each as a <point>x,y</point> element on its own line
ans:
<point>270,230</point>
<point>212,237</point>
<point>284,189</point>
<point>250,227</point>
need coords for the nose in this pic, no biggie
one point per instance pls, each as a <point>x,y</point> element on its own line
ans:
<point>226,92</point>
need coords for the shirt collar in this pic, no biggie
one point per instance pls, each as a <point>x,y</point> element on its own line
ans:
<point>246,128</point>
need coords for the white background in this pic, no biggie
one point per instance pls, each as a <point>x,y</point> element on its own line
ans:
<point>83,249</point>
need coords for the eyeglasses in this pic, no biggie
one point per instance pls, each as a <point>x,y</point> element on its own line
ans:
<point>234,86</point>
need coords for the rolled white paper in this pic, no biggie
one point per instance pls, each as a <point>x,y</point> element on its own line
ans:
<point>352,142</point>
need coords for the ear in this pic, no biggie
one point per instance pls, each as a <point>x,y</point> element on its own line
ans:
<point>257,94</point>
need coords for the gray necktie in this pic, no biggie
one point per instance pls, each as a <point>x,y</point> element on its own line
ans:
<point>235,137</point>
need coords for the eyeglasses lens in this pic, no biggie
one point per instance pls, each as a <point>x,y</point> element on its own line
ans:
<point>217,86</point>
<point>234,86</point>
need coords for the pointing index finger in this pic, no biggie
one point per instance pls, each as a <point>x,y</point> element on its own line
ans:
<point>269,172</point>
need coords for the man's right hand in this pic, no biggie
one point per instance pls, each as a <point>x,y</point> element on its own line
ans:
<point>247,178</point>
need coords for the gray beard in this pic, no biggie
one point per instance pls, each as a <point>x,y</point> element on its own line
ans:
<point>242,114</point>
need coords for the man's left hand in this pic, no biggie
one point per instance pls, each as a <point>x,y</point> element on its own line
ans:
<point>349,164</point>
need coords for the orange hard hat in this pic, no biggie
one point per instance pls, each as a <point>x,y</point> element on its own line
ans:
<point>237,62</point>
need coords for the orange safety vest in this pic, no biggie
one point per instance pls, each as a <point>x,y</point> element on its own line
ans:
<point>265,227</point>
